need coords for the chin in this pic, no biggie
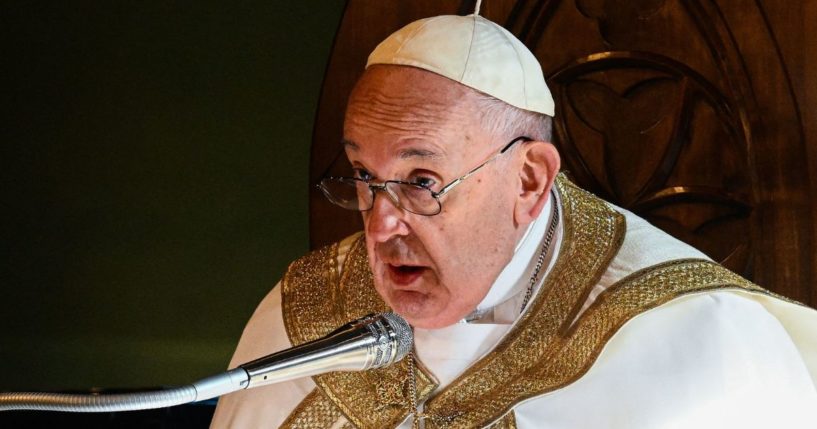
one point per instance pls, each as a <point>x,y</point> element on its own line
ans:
<point>431,323</point>
<point>417,308</point>
<point>422,314</point>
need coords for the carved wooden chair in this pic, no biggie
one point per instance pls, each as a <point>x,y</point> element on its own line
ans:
<point>678,111</point>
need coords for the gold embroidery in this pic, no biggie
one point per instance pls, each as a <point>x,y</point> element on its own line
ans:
<point>508,421</point>
<point>592,235</point>
<point>314,412</point>
<point>314,305</point>
<point>309,295</point>
<point>621,302</point>
<point>543,352</point>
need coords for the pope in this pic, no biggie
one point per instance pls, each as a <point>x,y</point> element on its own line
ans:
<point>534,304</point>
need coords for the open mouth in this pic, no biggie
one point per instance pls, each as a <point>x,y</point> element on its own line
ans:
<point>405,274</point>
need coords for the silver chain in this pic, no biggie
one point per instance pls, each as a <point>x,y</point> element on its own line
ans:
<point>417,416</point>
<point>541,259</point>
<point>415,419</point>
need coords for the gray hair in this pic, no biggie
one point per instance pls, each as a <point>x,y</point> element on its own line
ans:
<point>504,120</point>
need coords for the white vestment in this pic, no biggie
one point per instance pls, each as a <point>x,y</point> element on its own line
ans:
<point>722,359</point>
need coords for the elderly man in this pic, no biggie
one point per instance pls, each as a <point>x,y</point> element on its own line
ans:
<point>534,304</point>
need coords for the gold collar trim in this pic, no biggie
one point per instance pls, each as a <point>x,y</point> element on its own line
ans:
<point>315,302</point>
<point>592,236</point>
<point>546,350</point>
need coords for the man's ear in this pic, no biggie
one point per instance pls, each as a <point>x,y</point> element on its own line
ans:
<point>540,165</point>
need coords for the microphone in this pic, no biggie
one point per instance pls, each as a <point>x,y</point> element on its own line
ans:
<point>374,341</point>
<point>371,342</point>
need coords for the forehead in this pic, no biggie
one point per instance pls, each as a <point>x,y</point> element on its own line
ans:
<point>410,112</point>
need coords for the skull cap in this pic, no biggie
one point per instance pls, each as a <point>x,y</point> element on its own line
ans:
<point>473,51</point>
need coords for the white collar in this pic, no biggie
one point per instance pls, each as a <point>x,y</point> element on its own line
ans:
<point>513,279</point>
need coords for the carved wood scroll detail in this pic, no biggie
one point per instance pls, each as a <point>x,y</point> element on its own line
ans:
<point>679,110</point>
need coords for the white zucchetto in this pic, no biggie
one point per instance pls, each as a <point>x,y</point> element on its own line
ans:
<point>473,51</point>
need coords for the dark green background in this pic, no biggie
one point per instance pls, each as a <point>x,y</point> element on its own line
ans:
<point>153,166</point>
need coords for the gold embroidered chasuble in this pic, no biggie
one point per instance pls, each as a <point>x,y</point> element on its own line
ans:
<point>548,348</point>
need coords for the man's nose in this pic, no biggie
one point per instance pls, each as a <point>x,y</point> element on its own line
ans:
<point>385,219</point>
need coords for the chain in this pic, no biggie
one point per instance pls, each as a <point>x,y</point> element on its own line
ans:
<point>415,419</point>
<point>541,259</point>
<point>417,416</point>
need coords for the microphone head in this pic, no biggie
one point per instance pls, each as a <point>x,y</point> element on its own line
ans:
<point>403,334</point>
<point>391,339</point>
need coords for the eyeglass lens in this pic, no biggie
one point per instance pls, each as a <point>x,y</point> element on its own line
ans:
<point>356,194</point>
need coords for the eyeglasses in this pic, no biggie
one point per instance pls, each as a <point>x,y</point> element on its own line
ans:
<point>353,193</point>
